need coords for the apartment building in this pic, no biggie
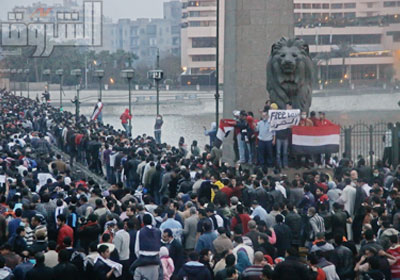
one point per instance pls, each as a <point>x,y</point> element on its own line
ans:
<point>198,42</point>
<point>352,41</point>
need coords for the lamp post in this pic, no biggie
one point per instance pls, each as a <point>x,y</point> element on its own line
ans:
<point>217,69</point>
<point>26,71</point>
<point>20,71</point>
<point>128,74</point>
<point>60,73</point>
<point>99,74</point>
<point>77,73</point>
<point>157,75</point>
<point>47,73</point>
<point>13,74</point>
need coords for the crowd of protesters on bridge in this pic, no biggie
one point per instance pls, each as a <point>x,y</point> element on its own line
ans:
<point>171,213</point>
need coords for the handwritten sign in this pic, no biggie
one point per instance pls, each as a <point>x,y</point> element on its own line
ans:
<point>282,119</point>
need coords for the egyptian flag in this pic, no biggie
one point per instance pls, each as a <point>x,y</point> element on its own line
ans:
<point>315,139</point>
<point>225,126</point>
<point>97,111</point>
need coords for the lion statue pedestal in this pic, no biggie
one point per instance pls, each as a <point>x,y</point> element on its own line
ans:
<point>290,74</point>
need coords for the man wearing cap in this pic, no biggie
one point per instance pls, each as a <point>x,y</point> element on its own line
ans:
<point>266,140</point>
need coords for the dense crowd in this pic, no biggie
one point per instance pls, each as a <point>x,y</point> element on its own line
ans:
<point>171,213</point>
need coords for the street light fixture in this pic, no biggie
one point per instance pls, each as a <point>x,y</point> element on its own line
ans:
<point>26,71</point>
<point>77,73</point>
<point>157,75</point>
<point>60,73</point>
<point>128,74</point>
<point>99,74</point>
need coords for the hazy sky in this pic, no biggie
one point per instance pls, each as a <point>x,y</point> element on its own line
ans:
<point>111,8</point>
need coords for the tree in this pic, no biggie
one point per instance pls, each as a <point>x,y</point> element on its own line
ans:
<point>325,56</point>
<point>343,52</point>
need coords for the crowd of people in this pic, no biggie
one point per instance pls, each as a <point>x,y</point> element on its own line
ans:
<point>171,213</point>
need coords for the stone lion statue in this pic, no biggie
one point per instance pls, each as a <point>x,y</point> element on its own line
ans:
<point>290,74</point>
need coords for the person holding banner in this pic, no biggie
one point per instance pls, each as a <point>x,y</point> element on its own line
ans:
<point>97,112</point>
<point>266,141</point>
<point>282,144</point>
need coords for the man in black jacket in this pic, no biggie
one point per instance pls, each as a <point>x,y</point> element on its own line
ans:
<point>292,268</point>
<point>40,271</point>
<point>293,220</point>
<point>65,270</point>
<point>283,236</point>
<point>343,259</point>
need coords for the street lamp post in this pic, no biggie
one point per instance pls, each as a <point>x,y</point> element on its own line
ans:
<point>26,71</point>
<point>128,74</point>
<point>157,75</point>
<point>77,73</point>
<point>20,71</point>
<point>60,73</point>
<point>99,74</point>
<point>13,74</point>
<point>217,69</point>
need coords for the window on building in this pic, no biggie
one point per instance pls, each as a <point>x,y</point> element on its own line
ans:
<point>325,6</point>
<point>396,36</point>
<point>367,40</point>
<point>337,15</point>
<point>389,4</point>
<point>297,6</point>
<point>175,29</point>
<point>349,5</point>
<point>193,4</point>
<point>337,6</point>
<point>398,3</point>
<point>153,42</point>
<point>370,5</point>
<point>316,6</point>
<point>151,29</point>
<point>204,42</point>
<point>184,5</point>
<point>185,15</point>
<point>306,6</point>
<point>194,23</point>
<point>350,15</point>
<point>194,14</point>
<point>175,41</point>
<point>203,57</point>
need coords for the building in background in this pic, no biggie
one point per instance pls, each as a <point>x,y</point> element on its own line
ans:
<point>198,42</point>
<point>353,42</point>
<point>144,36</point>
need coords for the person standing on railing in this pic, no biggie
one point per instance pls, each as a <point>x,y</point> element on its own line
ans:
<point>125,117</point>
<point>157,129</point>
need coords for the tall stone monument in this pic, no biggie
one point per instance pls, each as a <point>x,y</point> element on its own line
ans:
<point>251,28</point>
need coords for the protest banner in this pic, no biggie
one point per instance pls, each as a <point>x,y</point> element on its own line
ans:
<point>282,119</point>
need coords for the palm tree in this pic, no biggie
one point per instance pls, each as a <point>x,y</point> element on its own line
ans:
<point>344,51</point>
<point>325,56</point>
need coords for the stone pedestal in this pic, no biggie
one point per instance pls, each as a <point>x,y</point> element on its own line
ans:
<point>251,27</point>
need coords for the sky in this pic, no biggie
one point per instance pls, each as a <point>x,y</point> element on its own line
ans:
<point>111,8</point>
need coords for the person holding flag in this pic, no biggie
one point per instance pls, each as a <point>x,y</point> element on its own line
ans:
<point>97,112</point>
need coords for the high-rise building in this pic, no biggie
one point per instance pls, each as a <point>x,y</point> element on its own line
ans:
<point>352,41</point>
<point>198,43</point>
<point>145,36</point>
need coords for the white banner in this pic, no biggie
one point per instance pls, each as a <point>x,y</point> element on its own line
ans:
<point>282,119</point>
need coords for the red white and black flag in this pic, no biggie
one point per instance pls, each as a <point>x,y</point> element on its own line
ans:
<point>315,139</point>
<point>225,126</point>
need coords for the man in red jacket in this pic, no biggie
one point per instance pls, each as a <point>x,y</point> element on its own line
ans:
<point>63,231</point>
<point>124,121</point>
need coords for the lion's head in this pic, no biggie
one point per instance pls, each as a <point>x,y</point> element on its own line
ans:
<point>289,73</point>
